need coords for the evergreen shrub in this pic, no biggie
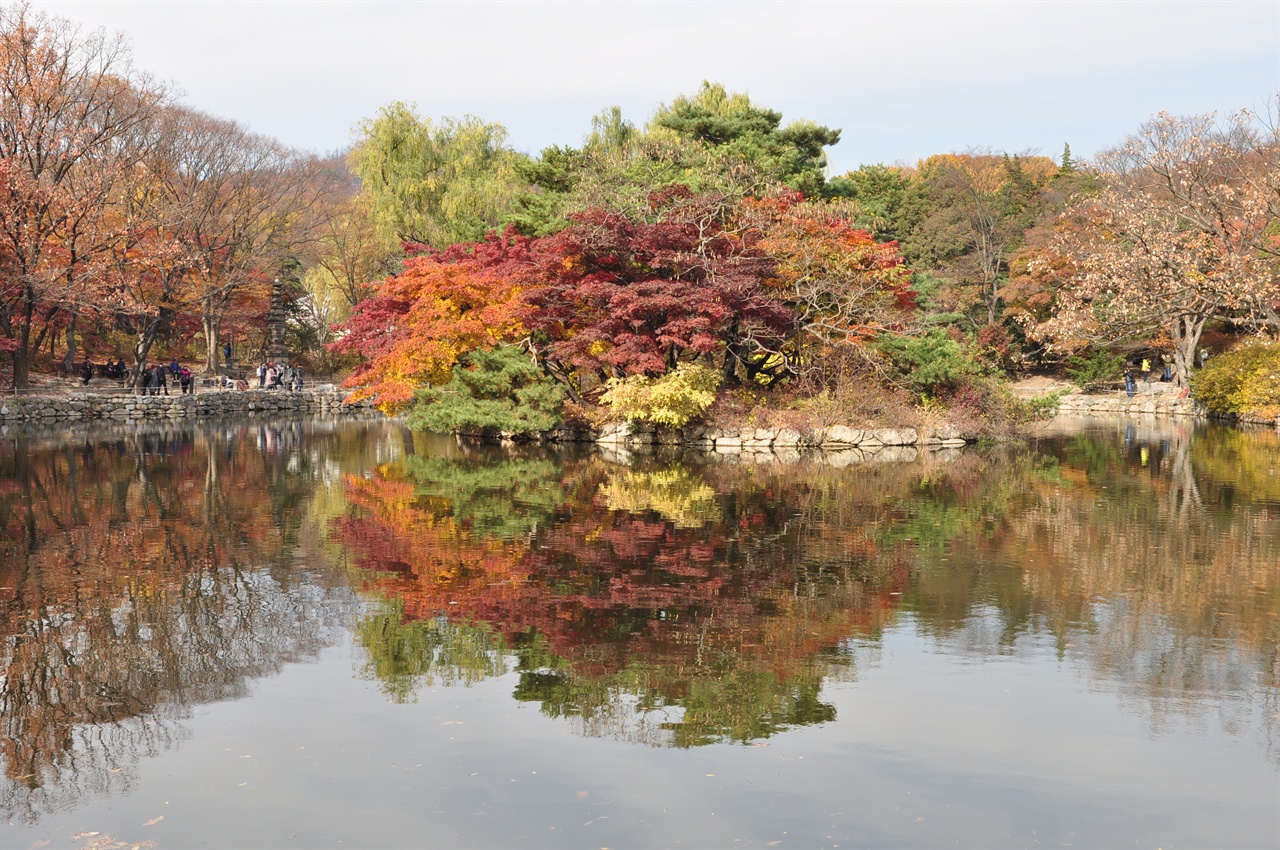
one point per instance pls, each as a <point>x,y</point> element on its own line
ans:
<point>498,390</point>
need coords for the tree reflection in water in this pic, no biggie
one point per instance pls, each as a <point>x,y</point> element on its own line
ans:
<point>673,601</point>
<point>143,571</point>
<point>682,603</point>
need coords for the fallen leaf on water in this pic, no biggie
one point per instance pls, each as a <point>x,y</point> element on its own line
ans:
<point>451,723</point>
<point>84,835</point>
<point>155,820</point>
<point>43,842</point>
<point>758,744</point>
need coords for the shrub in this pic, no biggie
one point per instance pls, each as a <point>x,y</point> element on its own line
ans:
<point>672,399</point>
<point>1098,367</point>
<point>1246,380</point>
<point>932,363</point>
<point>495,390</point>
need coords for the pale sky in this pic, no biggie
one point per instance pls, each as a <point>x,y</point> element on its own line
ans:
<point>901,80</point>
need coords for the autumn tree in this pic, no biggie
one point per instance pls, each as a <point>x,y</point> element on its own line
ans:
<point>443,305</point>
<point>611,296</point>
<point>73,119</point>
<point>349,253</point>
<point>844,289</point>
<point>1179,236</point>
<point>217,214</point>
<point>979,204</point>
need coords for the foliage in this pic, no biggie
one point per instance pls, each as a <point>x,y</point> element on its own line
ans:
<point>1099,366</point>
<point>1180,235</point>
<point>931,362</point>
<point>613,295</point>
<point>843,288</point>
<point>419,323</point>
<point>713,142</point>
<point>672,399</point>
<point>435,182</point>
<point>498,389</point>
<point>1246,380</point>
<point>75,120</point>
<point>735,128</point>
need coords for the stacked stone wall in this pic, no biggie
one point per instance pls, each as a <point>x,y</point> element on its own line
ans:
<point>217,404</point>
<point>1165,405</point>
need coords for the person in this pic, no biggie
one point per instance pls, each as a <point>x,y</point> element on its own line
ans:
<point>159,380</point>
<point>262,375</point>
<point>1130,385</point>
<point>226,352</point>
<point>86,371</point>
<point>1146,370</point>
<point>184,379</point>
<point>271,376</point>
<point>144,380</point>
<point>175,368</point>
<point>297,379</point>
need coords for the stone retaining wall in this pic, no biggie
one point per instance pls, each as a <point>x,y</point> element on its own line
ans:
<point>729,440</point>
<point>222,403</point>
<point>1164,405</point>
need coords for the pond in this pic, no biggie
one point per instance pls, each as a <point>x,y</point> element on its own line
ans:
<point>322,634</point>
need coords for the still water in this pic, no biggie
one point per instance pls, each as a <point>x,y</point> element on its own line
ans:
<point>311,634</point>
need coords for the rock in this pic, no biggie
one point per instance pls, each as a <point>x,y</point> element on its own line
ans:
<point>787,437</point>
<point>897,436</point>
<point>842,435</point>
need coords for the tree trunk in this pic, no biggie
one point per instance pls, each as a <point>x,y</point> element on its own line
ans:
<point>142,348</point>
<point>211,327</point>
<point>22,354</point>
<point>1185,333</point>
<point>69,362</point>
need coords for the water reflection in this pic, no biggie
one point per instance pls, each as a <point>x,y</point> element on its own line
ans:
<point>143,571</point>
<point>684,603</point>
<point>671,601</point>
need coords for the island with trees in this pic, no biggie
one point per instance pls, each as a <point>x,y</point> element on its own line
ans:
<point>702,265</point>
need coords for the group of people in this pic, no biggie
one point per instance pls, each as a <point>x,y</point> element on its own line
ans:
<point>278,376</point>
<point>155,380</point>
<point>1143,367</point>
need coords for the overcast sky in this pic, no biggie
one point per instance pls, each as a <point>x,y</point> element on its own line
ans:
<point>901,80</point>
